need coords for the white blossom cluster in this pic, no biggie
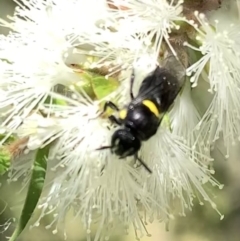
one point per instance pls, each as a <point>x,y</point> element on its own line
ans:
<point>42,99</point>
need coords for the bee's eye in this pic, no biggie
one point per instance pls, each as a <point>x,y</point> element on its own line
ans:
<point>116,141</point>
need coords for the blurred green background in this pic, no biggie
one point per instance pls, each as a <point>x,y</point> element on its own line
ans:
<point>203,224</point>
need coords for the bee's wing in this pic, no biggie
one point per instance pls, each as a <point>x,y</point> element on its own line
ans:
<point>170,65</point>
<point>163,84</point>
<point>175,67</point>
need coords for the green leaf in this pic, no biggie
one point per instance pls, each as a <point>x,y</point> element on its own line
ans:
<point>95,85</point>
<point>5,158</point>
<point>166,122</point>
<point>34,191</point>
<point>94,82</point>
<point>55,101</point>
<point>9,139</point>
<point>86,84</point>
<point>103,87</point>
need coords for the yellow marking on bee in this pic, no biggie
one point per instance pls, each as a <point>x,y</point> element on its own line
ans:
<point>151,106</point>
<point>122,114</point>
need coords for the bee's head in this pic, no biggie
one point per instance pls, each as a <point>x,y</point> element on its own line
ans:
<point>124,143</point>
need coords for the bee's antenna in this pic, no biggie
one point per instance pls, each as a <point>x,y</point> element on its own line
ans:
<point>103,148</point>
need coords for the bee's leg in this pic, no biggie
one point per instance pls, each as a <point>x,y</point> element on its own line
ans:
<point>115,120</point>
<point>112,118</point>
<point>143,163</point>
<point>109,104</point>
<point>131,84</point>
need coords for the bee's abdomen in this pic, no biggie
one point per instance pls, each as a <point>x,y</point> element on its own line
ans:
<point>164,88</point>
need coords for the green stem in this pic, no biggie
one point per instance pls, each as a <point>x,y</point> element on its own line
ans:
<point>34,191</point>
<point>16,233</point>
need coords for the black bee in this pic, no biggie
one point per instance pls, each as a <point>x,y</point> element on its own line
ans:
<point>141,118</point>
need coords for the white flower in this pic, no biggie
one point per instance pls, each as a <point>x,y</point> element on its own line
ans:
<point>115,51</point>
<point>178,170</point>
<point>83,178</point>
<point>28,81</point>
<point>36,52</point>
<point>221,59</point>
<point>79,175</point>
<point>184,119</point>
<point>40,130</point>
<point>52,22</point>
<point>152,20</point>
<point>49,36</point>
